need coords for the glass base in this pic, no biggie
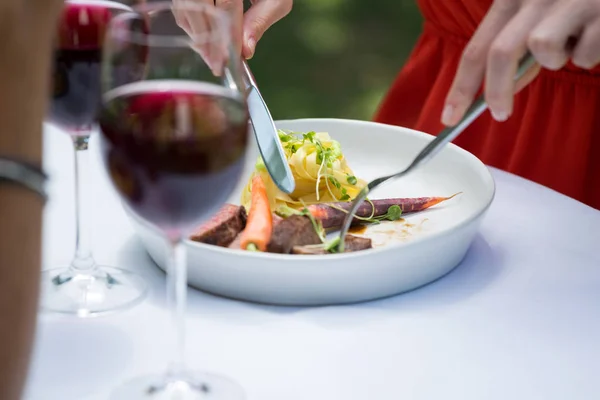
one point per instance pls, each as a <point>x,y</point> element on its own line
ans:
<point>197,386</point>
<point>104,290</point>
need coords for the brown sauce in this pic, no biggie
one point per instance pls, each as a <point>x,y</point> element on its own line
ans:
<point>357,229</point>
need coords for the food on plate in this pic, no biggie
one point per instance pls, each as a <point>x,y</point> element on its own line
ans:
<point>292,231</point>
<point>259,225</point>
<point>296,230</point>
<point>332,215</point>
<point>320,170</point>
<point>296,234</point>
<point>271,221</point>
<point>237,242</point>
<point>223,227</point>
<point>351,243</point>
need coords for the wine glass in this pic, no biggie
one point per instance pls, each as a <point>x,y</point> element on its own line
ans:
<point>174,145</point>
<point>84,288</point>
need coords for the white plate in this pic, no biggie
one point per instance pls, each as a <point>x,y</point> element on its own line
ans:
<point>425,247</point>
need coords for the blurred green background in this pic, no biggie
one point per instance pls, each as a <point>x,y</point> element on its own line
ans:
<point>334,58</point>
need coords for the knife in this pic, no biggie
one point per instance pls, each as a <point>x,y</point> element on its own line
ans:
<point>267,137</point>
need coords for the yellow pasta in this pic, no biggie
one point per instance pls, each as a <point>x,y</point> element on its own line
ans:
<point>319,167</point>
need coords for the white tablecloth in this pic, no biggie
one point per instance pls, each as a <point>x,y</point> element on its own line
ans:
<point>518,319</point>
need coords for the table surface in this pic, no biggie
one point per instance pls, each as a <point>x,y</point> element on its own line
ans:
<point>518,319</point>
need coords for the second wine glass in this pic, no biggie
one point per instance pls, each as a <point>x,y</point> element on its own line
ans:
<point>174,146</point>
<point>84,288</point>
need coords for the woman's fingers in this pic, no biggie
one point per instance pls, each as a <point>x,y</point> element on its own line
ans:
<point>235,9</point>
<point>547,28</point>
<point>548,40</point>
<point>181,11</point>
<point>503,58</point>
<point>587,51</point>
<point>197,19</point>
<point>246,29</point>
<point>469,75</point>
<point>260,17</point>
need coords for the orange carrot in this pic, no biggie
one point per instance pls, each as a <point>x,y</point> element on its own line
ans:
<point>259,225</point>
<point>332,215</point>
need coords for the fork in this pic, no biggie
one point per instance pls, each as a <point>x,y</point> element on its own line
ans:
<point>431,150</point>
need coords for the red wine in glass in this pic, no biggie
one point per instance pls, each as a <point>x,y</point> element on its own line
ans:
<point>174,149</point>
<point>76,94</point>
<point>85,288</point>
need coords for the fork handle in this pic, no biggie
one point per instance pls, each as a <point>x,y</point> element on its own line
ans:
<point>477,108</point>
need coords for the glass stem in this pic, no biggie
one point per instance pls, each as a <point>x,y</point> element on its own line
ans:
<point>176,299</point>
<point>83,261</point>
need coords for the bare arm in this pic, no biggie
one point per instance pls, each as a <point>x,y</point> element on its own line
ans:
<point>26,31</point>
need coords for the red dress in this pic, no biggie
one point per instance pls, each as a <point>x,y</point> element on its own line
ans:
<point>553,135</point>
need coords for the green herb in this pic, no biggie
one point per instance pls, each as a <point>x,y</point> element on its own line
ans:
<point>252,247</point>
<point>325,157</point>
<point>320,152</point>
<point>285,137</point>
<point>286,211</point>
<point>345,195</point>
<point>309,136</point>
<point>260,164</point>
<point>393,213</point>
<point>318,227</point>
<point>294,147</point>
<point>336,149</point>
<point>335,182</point>
<point>324,154</point>
<point>332,245</point>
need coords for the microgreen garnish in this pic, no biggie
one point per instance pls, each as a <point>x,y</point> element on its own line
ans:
<point>332,245</point>
<point>335,182</point>
<point>309,136</point>
<point>285,137</point>
<point>260,164</point>
<point>327,155</point>
<point>393,213</point>
<point>345,195</point>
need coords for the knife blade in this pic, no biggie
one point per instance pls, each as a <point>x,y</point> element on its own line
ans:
<point>266,135</point>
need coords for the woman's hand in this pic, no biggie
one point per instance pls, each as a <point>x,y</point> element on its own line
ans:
<point>249,28</point>
<point>553,30</point>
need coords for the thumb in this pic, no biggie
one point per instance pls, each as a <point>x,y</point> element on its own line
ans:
<point>260,17</point>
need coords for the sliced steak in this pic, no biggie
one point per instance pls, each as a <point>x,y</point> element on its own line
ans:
<point>223,227</point>
<point>293,231</point>
<point>356,243</point>
<point>351,243</point>
<point>238,239</point>
<point>236,242</point>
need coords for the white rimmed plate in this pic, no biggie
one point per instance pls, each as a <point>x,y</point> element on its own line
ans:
<point>407,254</point>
